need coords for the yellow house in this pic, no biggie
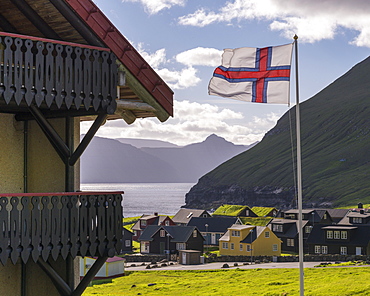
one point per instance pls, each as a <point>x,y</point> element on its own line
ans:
<point>249,240</point>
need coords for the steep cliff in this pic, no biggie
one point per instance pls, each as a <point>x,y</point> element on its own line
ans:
<point>335,136</point>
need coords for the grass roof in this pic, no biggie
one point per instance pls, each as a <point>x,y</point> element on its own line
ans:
<point>229,210</point>
<point>262,211</point>
<point>257,221</point>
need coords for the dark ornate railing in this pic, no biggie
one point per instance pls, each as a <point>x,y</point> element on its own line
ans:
<point>53,224</point>
<point>47,72</point>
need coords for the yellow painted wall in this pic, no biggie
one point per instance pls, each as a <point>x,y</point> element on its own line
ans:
<point>262,246</point>
<point>11,154</point>
<point>46,173</point>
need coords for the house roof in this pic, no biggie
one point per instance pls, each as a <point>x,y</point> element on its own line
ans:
<point>292,230</point>
<point>178,234</point>
<point>226,236</point>
<point>263,211</point>
<point>214,224</point>
<point>231,210</point>
<point>143,94</point>
<point>184,215</point>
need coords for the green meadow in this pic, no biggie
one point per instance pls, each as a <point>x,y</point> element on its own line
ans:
<point>327,281</point>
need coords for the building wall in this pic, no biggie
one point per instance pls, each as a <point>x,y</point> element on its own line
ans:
<point>263,246</point>
<point>45,173</point>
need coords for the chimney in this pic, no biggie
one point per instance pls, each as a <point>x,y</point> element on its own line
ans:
<point>362,211</point>
<point>360,205</point>
<point>156,214</point>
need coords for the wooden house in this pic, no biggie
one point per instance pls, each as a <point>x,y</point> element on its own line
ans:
<point>62,62</point>
<point>184,215</point>
<point>314,216</point>
<point>213,228</point>
<point>112,268</point>
<point>340,239</point>
<point>287,230</point>
<point>126,241</point>
<point>170,239</point>
<point>249,240</point>
<point>146,220</point>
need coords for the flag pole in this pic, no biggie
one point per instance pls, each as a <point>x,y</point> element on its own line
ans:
<point>299,176</point>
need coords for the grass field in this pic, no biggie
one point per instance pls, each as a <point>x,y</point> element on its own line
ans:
<point>341,281</point>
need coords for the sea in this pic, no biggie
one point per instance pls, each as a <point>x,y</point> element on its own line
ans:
<point>146,198</point>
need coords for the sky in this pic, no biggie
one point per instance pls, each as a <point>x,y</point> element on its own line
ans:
<point>183,41</point>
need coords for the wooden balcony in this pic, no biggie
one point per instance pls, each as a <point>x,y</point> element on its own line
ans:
<point>56,77</point>
<point>34,225</point>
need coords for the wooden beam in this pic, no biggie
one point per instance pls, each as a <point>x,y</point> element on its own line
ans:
<point>38,21</point>
<point>4,23</point>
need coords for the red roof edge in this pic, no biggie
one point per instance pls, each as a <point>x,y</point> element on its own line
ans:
<point>124,51</point>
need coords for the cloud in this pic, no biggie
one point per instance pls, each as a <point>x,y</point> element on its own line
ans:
<point>192,123</point>
<point>311,20</point>
<point>200,56</point>
<point>155,6</point>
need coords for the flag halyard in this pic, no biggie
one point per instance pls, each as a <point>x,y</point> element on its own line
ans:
<point>260,75</point>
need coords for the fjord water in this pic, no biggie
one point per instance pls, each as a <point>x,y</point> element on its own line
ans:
<point>146,198</point>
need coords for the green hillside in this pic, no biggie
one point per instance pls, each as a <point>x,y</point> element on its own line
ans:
<point>335,126</point>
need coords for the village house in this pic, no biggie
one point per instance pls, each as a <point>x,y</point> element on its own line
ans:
<point>249,240</point>
<point>213,228</point>
<point>340,239</point>
<point>146,220</point>
<point>184,215</point>
<point>170,239</point>
<point>62,62</point>
<point>287,230</point>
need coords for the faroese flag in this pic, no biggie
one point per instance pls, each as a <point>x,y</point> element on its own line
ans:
<point>258,75</point>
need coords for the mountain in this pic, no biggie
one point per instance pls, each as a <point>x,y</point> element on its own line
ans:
<point>140,143</point>
<point>108,160</point>
<point>335,137</point>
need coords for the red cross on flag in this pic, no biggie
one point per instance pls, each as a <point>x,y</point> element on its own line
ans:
<point>259,75</point>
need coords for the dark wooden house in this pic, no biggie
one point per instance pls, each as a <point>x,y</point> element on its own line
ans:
<point>340,239</point>
<point>146,220</point>
<point>62,62</point>
<point>170,239</point>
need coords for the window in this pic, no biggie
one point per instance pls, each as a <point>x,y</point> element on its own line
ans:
<point>167,223</point>
<point>277,227</point>
<point>127,243</point>
<point>329,234</point>
<point>290,242</point>
<point>195,233</point>
<point>232,246</point>
<point>308,229</point>
<point>144,247</point>
<point>235,233</point>
<point>135,233</point>
<point>247,213</point>
<point>324,249</point>
<point>240,247</point>
<point>180,246</point>
<point>274,248</point>
<point>357,220</point>
<point>325,216</point>
<point>343,250</point>
<point>317,249</point>
<point>143,222</point>
<point>343,234</point>
<point>162,233</point>
<point>267,234</point>
<point>336,234</point>
<point>225,245</point>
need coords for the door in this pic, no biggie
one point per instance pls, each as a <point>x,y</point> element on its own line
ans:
<point>213,239</point>
<point>358,251</point>
<point>161,247</point>
<point>184,258</point>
